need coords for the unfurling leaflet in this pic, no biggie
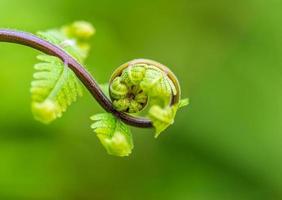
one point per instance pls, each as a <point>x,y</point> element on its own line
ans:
<point>55,86</point>
<point>114,135</point>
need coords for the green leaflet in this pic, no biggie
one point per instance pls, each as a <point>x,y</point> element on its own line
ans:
<point>183,102</point>
<point>134,74</point>
<point>55,86</point>
<point>157,85</point>
<point>114,135</point>
<point>162,118</point>
<point>160,90</point>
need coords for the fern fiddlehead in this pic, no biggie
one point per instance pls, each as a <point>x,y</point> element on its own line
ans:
<point>144,84</point>
<point>142,93</point>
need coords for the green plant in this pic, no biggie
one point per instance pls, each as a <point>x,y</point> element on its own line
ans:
<point>141,93</point>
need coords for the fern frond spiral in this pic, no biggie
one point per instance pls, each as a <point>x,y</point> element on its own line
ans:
<point>143,93</point>
<point>145,84</point>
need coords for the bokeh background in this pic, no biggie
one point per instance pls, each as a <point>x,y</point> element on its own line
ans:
<point>226,145</point>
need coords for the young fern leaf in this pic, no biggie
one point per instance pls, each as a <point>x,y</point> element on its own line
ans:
<point>114,135</point>
<point>142,87</point>
<point>164,117</point>
<point>55,86</point>
<point>144,93</point>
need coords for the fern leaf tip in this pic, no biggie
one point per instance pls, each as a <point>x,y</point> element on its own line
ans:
<point>45,112</point>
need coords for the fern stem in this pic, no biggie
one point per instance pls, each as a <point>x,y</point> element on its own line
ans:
<point>27,39</point>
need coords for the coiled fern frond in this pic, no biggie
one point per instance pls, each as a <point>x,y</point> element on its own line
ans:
<point>144,86</point>
<point>55,86</point>
<point>141,93</point>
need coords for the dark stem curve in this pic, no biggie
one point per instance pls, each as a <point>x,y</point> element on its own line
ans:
<point>85,77</point>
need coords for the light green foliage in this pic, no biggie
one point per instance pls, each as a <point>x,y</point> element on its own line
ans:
<point>141,86</point>
<point>80,30</point>
<point>114,135</point>
<point>118,89</point>
<point>126,92</point>
<point>156,84</point>
<point>133,75</point>
<point>55,86</point>
<point>164,117</point>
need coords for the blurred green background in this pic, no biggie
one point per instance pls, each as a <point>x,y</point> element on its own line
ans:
<point>226,145</point>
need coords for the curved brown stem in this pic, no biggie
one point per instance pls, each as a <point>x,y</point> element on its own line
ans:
<point>93,87</point>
